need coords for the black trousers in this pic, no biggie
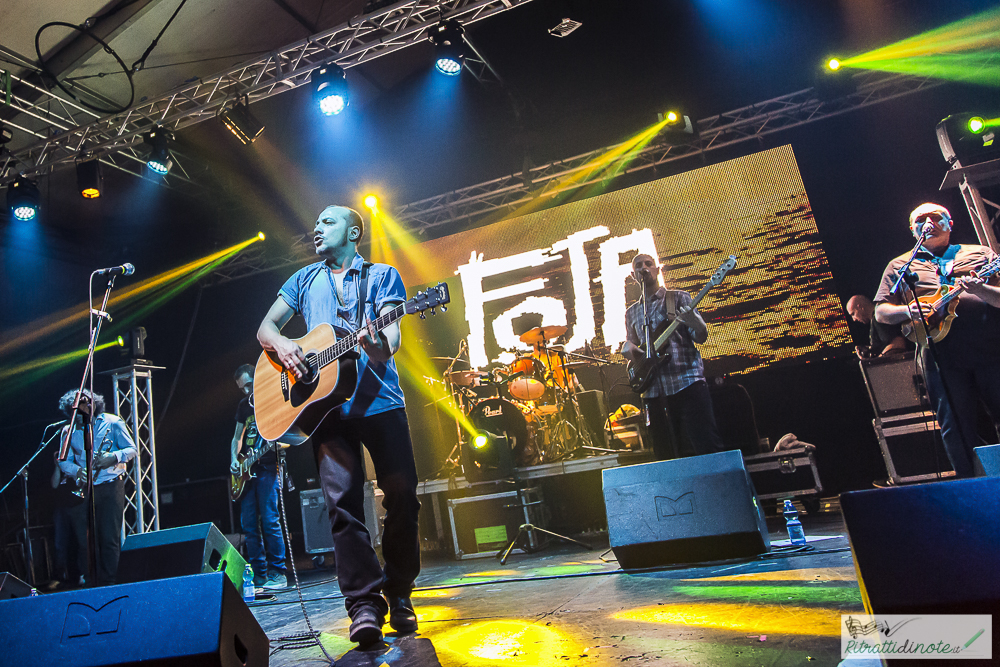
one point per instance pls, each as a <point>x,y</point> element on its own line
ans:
<point>683,424</point>
<point>337,446</point>
<point>109,515</point>
<point>967,383</point>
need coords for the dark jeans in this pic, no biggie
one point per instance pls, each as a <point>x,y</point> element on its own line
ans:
<point>261,523</point>
<point>70,526</point>
<point>967,384</point>
<point>109,518</point>
<point>337,445</point>
<point>683,424</point>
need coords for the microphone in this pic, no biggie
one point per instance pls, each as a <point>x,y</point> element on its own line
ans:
<point>58,423</point>
<point>927,228</point>
<point>123,270</point>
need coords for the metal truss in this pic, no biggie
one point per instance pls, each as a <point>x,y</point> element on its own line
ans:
<point>254,260</point>
<point>726,129</point>
<point>65,133</point>
<point>134,404</point>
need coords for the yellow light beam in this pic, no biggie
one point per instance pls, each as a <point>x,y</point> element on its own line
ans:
<point>53,361</point>
<point>758,619</point>
<point>41,328</point>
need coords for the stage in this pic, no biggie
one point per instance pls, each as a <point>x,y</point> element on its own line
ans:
<point>565,606</point>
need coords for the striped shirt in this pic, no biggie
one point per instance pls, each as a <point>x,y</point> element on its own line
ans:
<point>685,366</point>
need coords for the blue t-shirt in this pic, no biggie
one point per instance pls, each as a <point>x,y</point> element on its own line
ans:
<point>310,292</point>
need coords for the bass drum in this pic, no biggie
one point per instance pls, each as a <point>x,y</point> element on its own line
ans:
<point>500,417</point>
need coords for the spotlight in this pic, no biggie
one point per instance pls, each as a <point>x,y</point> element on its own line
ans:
<point>371,201</point>
<point>448,38</point>
<point>330,89</point>
<point>832,81</point>
<point>23,198</point>
<point>565,27</point>
<point>488,456</point>
<point>89,178</point>
<point>242,123</point>
<point>967,138</point>
<point>677,127</point>
<point>260,235</point>
<point>159,159</point>
<point>833,64</point>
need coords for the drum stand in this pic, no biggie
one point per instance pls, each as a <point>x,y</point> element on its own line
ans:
<point>525,529</point>
<point>567,395</point>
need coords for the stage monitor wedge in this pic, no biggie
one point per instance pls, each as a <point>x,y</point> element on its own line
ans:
<point>927,548</point>
<point>177,552</point>
<point>690,510</point>
<point>196,621</point>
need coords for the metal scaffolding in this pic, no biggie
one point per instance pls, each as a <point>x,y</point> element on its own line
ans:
<point>72,131</point>
<point>134,404</point>
<point>969,180</point>
<point>726,129</point>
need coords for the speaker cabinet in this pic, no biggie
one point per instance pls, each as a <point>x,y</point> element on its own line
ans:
<point>987,461</point>
<point>196,621</point>
<point>691,510</point>
<point>12,587</point>
<point>176,552</point>
<point>928,548</point>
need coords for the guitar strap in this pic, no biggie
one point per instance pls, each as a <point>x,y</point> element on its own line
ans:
<point>363,293</point>
<point>671,303</point>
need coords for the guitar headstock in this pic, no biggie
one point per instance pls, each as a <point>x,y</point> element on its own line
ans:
<point>434,297</point>
<point>721,272</point>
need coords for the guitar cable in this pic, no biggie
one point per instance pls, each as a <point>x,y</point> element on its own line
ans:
<point>302,639</point>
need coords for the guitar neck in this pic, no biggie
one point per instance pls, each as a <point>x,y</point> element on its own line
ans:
<point>350,341</point>
<point>661,341</point>
<point>986,272</point>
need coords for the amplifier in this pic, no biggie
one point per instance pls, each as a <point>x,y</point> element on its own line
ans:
<point>894,385</point>
<point>316,527</point>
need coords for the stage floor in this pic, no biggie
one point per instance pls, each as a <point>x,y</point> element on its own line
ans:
<point>565,606</point>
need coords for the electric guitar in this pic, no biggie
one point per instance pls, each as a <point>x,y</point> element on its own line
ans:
<point>944,301</point>
<point>642,371</point>
<point>282,401</point>
<point>245,461</point>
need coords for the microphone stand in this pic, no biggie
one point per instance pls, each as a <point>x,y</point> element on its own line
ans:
<point>909,279</point>
<point>85,407</point>
<point>23,473</point>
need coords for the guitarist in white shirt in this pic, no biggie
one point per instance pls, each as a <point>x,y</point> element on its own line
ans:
<point>260,521</point>
<point>679,416</point>
<point>335,291</point>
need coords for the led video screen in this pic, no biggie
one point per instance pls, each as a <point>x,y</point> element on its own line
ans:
<point>570,264</point>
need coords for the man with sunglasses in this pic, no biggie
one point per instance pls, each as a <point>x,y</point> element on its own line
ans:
<point>966,365</point>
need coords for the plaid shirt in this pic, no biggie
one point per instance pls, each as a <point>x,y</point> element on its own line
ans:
<point>685,366</point>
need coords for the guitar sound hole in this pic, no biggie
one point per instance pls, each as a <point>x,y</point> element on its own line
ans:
<point>312,369</point>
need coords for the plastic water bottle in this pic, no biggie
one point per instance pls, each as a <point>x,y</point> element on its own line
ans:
<point>248,588</point>
<point>792,523</point>
<point>34,593</point>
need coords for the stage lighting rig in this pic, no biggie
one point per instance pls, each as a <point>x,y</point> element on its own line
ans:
<point>23,199</point>
<point>159,141</point>
<point>448,38</point>
<point>241,122</point>
<point>5,136</point>
<point>677,127</point>
<point>330,89</point>
<point>968,138</point>
<point>89,178</point>
<point>565,27</point>
<point>371,201</point>
<point>134,344</point>
<point>833,81</point>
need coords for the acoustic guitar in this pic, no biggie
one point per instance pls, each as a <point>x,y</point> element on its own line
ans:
<point>642,371</point>
<point>944,302</point>
<point>281,401</point>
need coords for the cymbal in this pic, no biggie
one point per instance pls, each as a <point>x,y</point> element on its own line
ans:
<point>447,359</point>
<point>540,334</point>
<point>465,378</point>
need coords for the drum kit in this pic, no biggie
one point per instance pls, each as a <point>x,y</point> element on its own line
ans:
<point>531,400</point>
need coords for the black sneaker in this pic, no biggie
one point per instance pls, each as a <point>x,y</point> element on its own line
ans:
<point>366,627</point>
<point>402,618</point>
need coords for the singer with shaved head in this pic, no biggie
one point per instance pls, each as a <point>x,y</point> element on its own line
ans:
<point>679,416</point>
<point>965,366</point>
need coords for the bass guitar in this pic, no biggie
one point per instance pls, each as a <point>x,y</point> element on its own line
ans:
<point>944,301</point>
<point>642,371</point>
<point>282,401</point>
